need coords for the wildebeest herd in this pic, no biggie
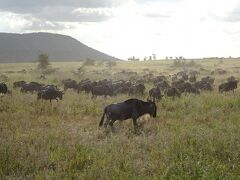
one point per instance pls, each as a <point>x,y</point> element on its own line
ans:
<point>170,86</point>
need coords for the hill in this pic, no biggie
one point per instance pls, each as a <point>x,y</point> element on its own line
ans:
<point>27,47</point>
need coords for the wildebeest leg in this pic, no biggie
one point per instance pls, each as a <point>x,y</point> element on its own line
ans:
<point>135,123</point>
<point>57,99</point>
<point>112,127</point>
<point>107,121</point>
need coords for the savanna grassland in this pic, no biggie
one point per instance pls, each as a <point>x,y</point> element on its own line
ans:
<point>193,137</point>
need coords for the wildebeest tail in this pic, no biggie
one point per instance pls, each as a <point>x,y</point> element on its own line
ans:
<point>102,119</point>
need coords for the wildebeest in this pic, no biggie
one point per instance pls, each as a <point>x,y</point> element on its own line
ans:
<point>137,89</point>
<point>69,84</point>
<point>231,78</point>
<point>131,108</point>
<point>172,92</point>
<point>49,94</point>
<point>192,78</point>
<point>48,87</point>
<point>208,79</point>
<point>31,87</point>
<point>102,90</point>
<point>163,85</point>
<point>3,88</point>
<point>18,84</point>
<point>203,85</point>
<point>85,85</point>
<point>228,86</point>
<point>155,94</point>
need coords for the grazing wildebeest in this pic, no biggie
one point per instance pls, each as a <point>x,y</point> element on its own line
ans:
<point>31,87</point>
<point>49,87</point>
<point>49,94</point>
<point>84,86</point>
<point>155,94</point>
<point>163,85</point>
<point>192,78</point>
<point>131,108</point>
<point>228,86</point>
<point>231,78</point>
<point>69,84</point>
<point>102,90</point>
<point>3,88</point>
<point>208,79</point>
<point>18,84</point>
<point>137,89</point>
<point>172,92</point>
<point>203,85</point>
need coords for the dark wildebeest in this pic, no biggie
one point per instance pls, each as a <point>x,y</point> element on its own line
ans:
<point>131,108</point>
<point>85,85</point>
<point>231,78</point>
<point>31,87</point>
<point>155,94</point>
<point>162,85</point>
<point>203,85</point>
<point>228,86</point>
<point>69,84</point>
<point>49,94</point>
<point>208,79</point>
<point>172,92</point>
<point>3,88</point>
<point>137,89</point>
<point>18,84</point>
<point>192,78</point>
<point>49,87</point>
<point>102,90</point>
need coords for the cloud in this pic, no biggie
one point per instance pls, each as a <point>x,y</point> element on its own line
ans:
<point>40,25</point>
<point>233,16</point>
<point>28,6</point>
<point>62,10</point>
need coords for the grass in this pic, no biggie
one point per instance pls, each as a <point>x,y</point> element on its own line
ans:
<point>193,137</point>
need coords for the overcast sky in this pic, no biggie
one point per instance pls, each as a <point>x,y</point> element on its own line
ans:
<point>123,28</point>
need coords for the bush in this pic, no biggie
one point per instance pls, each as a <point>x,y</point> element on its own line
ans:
<point>43,61</point>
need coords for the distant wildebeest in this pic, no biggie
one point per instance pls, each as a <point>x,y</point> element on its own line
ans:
<point>48,87</point>
<point>189,88</point>
<point>192,78</point>
<point>155,94</point>
<point>172,92</point>
<point>69,84</point>
<point>163,85</point>
<point>3,88</point>
<point>19,84</point>
<point>231,78</point>
<point>131,108</point>
<point>85,86</point>
<point>208,79</point>
<point>137,89</point>
<point>49,94</point>
<point>228,86</point>
<point>203,85</point>
<point>31,87</point>
<point>102,90</point>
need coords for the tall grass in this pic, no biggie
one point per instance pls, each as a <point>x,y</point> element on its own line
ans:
<point>193,137</point>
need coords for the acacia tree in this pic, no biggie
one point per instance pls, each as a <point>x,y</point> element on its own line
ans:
<point>43,61</point>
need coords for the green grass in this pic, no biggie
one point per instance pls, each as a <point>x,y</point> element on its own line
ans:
<point>193,137</point>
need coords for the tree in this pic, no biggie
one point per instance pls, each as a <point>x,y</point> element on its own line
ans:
<point>43,61</point>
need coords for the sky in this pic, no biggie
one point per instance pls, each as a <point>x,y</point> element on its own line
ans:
<point>125,28</point>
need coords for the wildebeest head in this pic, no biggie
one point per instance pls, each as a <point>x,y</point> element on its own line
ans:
<point>60,94</point>
<point>152,108</point>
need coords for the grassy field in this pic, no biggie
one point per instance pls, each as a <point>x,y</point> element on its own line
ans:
<point>193,137</point>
